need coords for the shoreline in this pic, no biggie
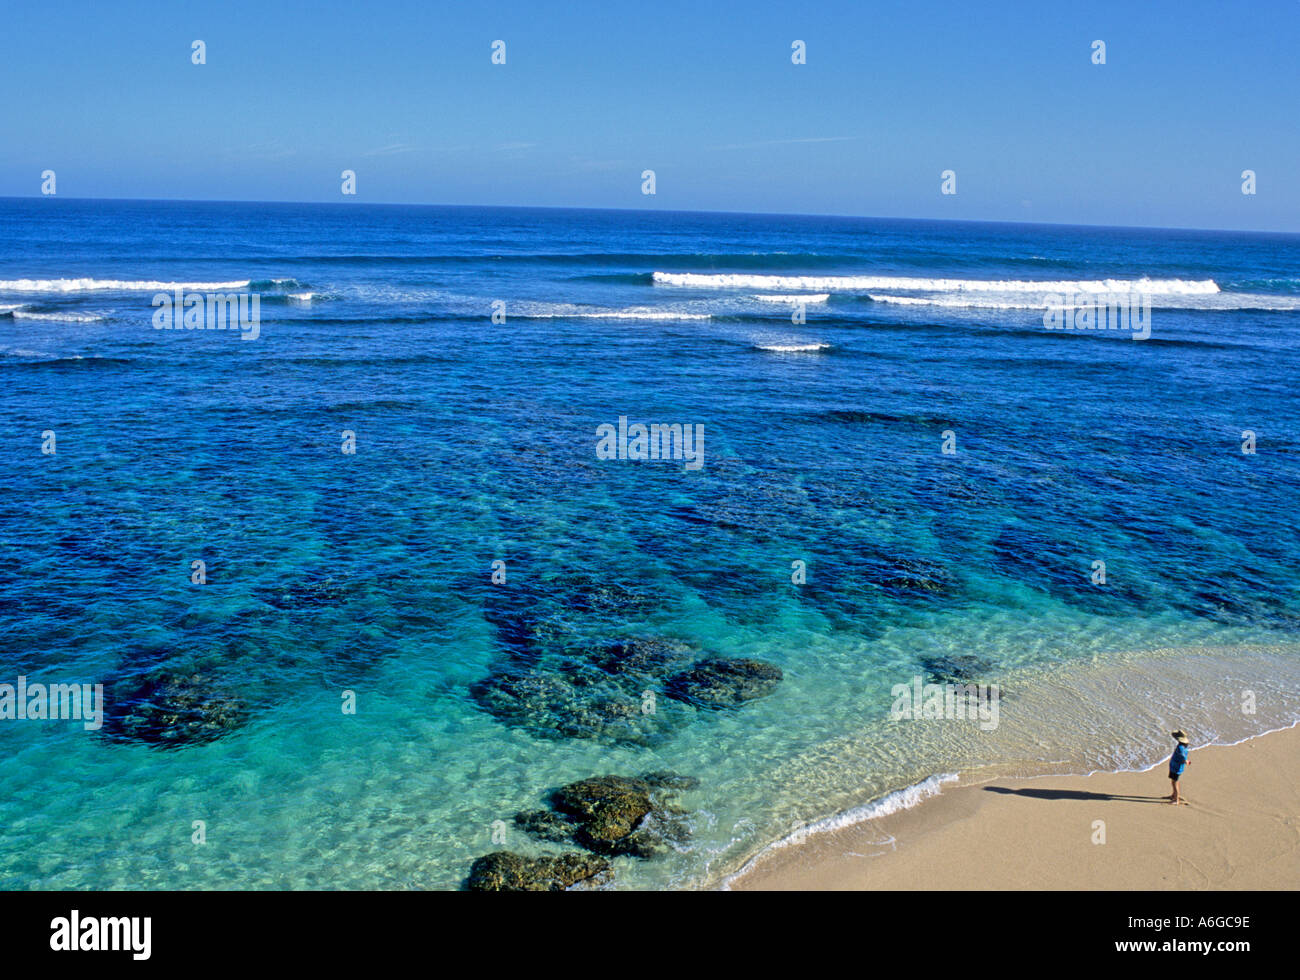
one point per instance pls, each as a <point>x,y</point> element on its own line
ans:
<point>1101,830</point>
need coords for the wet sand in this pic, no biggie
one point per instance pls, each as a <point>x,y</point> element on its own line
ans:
<point>1240,830</point>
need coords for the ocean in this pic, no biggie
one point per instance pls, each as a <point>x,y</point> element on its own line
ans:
<point>409,595</point>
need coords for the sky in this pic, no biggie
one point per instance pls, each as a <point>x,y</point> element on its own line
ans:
<point>705,94</point>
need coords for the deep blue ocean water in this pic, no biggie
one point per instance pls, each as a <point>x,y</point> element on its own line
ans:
<point>371,572</point>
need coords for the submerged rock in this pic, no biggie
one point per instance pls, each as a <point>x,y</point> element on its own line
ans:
<point>583,592</point>
<point>573,701</point>
<point>545,825</point>
<point>168,710</point>
<point>530,700</point>
<point>306,594</point>
<point>505,871</point>
<point>724,682</point>
<point>662,779</point>
<point>620,815</point>
<point>914,576</point>
<point>957,668</point>
<point>659,831</point>
<point>644,655</point>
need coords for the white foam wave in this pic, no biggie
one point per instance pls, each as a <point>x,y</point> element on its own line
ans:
<point>972,303</point>
<point>61,317</point>
<point>111,285</point>
<point>1184,287</point>
<point>303,298</point>
<point>792,348</point>
<point>903,799</point>
<point>1217,301</point>
<point>794,299</point>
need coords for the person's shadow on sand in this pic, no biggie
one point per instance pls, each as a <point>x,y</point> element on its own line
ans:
<point>1074,794</point>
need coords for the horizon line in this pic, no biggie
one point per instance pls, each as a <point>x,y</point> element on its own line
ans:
<point>561,207</point>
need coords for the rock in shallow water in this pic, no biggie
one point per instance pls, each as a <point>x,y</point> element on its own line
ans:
<point>956,668</point>
<point>572,701</point>
<point>722,682</point>
<point>663,779</point>
<point>606,808</point>
<point>645,656</point>
<point>505,871</point>
<point>168,710</point>
<point>620,815</point>
<point>544,825</point>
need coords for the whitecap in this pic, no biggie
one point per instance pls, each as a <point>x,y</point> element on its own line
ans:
<point>864,283</point>
<point>68,317</point>
<point>793,348</point>
<point>112,285</point>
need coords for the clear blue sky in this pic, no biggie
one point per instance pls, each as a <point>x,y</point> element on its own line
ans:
<point>705,94</point>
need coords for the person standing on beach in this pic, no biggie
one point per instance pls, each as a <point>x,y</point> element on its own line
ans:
<point>1177,763</point>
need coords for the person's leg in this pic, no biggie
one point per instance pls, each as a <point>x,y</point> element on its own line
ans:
<point>1173,797</point>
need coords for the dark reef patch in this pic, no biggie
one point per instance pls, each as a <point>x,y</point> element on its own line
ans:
<point>168,710</point>
<point>505,871</point>
<point>724,682</point>
<point>573,700</point>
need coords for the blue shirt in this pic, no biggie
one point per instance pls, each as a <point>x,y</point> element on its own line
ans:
<point>1178,761</point>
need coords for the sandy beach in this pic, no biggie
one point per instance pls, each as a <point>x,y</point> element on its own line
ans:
<point>1240,830</point>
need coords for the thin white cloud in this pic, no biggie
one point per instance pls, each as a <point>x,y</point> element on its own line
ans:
<point>391,150</point>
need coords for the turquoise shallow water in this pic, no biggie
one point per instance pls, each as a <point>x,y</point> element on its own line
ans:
<point>371,572</point>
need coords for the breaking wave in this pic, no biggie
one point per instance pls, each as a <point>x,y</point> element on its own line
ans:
<point>1177,287</point>
<point>60,317</point>
<point>110,285</point>
<point>793,348</point>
